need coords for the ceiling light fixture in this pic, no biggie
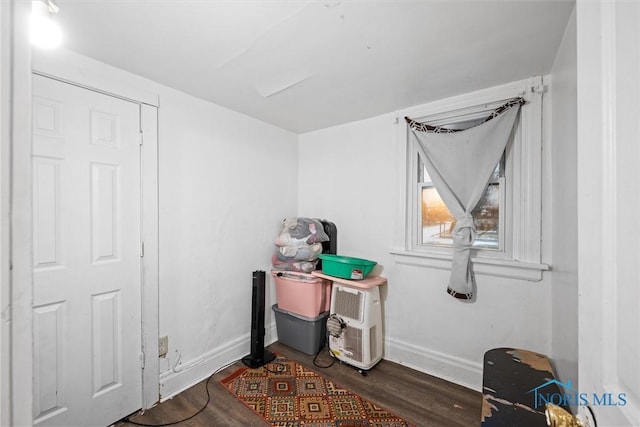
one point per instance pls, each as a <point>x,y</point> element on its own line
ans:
<point>45,32</point>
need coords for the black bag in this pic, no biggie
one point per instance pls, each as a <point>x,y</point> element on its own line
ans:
<point>331,246</point>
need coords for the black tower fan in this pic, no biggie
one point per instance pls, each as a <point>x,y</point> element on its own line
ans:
<point>259,355</point>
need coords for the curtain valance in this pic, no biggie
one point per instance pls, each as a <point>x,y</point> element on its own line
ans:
<point>423,127</point>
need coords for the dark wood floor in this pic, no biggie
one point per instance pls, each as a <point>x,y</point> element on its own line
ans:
<point>415,396</point>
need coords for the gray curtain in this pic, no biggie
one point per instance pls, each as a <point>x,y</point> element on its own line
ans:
<point>460,164</point>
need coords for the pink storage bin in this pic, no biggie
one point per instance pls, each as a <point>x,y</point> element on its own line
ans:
<point>302,293</point>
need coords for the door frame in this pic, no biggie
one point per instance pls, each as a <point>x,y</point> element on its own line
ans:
<point>56,65</point>
<point>17,193</point>
<point>598,142</point>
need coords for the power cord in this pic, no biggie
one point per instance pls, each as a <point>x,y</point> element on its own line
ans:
<point>318,365</point>
<point>280,367</point>
<point>315,358</point>
<point>335,327</point>
<point>128,419</point>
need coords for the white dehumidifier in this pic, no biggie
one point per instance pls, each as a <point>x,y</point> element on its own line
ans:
<point>355,325</point>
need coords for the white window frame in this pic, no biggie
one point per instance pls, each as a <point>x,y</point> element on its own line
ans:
<point>520,254</point>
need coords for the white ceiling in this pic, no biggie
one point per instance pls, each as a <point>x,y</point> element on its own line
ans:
<point>306,65</point>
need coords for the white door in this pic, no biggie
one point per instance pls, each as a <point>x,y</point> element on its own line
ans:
<point>609,209</point>
<point>86,256</point>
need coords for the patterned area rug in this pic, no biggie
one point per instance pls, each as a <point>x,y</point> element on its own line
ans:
<point>285,393</point>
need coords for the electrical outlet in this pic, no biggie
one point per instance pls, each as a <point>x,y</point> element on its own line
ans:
<point>163,346</point>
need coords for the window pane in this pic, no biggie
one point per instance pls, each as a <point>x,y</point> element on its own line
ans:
<point>438,223</point>
<point>486,217</point>
<point>498,172</point>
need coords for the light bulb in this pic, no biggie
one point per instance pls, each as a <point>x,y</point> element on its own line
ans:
<point>45,32</point>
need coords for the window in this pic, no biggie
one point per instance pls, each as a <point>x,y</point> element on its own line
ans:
<point>436,222</point>
<point>507,219</point>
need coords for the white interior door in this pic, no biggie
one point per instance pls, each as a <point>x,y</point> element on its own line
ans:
<point>609,209</point>
<point>86,256</point>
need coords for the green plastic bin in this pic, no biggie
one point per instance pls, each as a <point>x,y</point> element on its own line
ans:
<point>346,267</point>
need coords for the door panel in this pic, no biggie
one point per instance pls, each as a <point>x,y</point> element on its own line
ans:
<point>46,212</point>
<point>86,258</point>
<point>48,323</point>
<point>104,212</point>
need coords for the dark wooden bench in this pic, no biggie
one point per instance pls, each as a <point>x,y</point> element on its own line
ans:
<point>515,384</point>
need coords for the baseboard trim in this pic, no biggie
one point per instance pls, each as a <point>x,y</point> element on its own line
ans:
<point>454,369</point>
<point>200,368</point>
<point>457,370</point>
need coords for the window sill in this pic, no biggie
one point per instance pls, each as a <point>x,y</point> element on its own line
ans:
<point>482,266</point>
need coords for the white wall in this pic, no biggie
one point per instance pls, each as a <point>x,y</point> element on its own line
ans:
<point>564,291</point>
<point>347,175</point>
<point>5,116</point>
<point>226,181</point>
